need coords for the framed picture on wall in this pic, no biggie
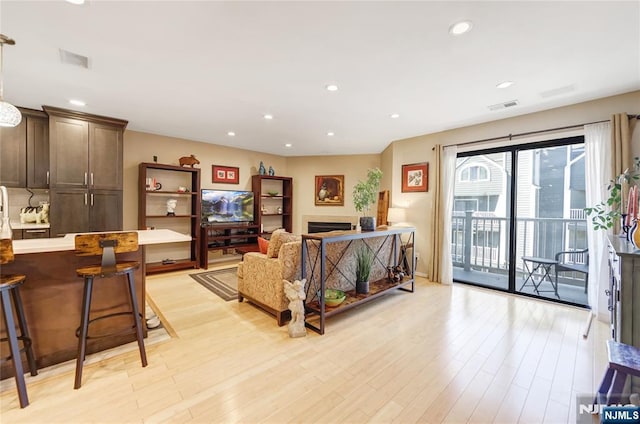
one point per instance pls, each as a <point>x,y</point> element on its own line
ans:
<point>415,177</point>
<point>329,190</point>
<point>225,174</point>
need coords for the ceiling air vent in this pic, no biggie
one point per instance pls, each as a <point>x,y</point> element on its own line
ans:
<point>504,105</point>
<point>558,91</point>
<point>74,59</point>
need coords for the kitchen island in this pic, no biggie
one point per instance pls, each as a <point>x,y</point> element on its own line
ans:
<point>52,295</point>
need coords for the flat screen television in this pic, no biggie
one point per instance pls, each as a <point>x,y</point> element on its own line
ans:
<point>220,206</point>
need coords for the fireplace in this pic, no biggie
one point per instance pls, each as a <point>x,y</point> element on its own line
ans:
<point>322,227</point>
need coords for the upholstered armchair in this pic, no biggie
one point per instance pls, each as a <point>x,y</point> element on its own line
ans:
<point>260,275</point>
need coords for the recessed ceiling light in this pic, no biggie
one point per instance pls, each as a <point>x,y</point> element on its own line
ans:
<point>332,87</point>
<point>75,1</point>
<point>268,117</point>
<point>395,115</point>
<point>77,102</point>
<point>505,84</point>
<point>460,28</point>
<point>231,134</point>
<point>330,134</point>
<point>288,145</point>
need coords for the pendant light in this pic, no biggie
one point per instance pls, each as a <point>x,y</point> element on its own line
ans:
<point>10,116</point>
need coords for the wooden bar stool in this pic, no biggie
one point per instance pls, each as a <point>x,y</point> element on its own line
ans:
<point>624,360</point>
<point>9,289</point>
<point>107,245</point>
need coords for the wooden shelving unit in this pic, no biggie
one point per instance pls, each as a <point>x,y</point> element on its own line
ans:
<point>152,214</point>
<point>272,219</point>
<point>226,236</point>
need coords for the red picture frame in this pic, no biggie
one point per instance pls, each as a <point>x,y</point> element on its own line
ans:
<point>415,177</point>
<point>225,174</point>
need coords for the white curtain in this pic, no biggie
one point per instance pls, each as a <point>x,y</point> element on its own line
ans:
<point>447,183</point>
<point>597,138</point>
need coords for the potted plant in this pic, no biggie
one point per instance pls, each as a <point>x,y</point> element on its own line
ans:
<point>364,262</point>
<point>365,193</point>
<point>607,213</point>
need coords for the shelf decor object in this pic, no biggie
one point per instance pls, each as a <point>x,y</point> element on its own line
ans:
<point>415,177</point>
<point>225,174</point>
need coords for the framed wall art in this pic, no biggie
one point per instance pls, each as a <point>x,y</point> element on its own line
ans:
<point>415,177</point>
<point>225,174</point>
<point>329,190</point>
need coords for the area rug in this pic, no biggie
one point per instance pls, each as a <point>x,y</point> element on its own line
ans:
<point>223,282</point>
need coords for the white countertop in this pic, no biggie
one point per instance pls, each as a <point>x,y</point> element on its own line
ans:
<point>17,225</point>
<point>67,242</point>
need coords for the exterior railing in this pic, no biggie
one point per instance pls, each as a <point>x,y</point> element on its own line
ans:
<point>480,242</point>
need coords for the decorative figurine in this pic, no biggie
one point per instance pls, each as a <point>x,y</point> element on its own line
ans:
<point>171,207</point>
<point>262,169</point>
<point>155,159</point>
<point>279,210</point>
<point>272,172</point>
<point>189,160</point>
<point>295,294</point>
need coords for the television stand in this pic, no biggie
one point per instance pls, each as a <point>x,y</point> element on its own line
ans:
<point>242,236</point>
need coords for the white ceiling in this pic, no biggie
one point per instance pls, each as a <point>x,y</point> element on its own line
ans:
<point>197,70</point>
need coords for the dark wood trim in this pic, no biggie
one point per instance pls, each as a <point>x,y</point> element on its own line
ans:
<point>74,114</point>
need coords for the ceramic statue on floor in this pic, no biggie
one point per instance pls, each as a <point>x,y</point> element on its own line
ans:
<point>295,294</point>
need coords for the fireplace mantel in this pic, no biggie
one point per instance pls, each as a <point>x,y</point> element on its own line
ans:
<point>353,219</point>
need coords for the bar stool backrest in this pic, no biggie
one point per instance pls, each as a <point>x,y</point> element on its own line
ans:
<point>107,245</point>
<point>6,251</point>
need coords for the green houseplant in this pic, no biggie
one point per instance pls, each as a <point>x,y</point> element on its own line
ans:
<point>365,194</point>
<point>607,213</point>
<point>364,262</point>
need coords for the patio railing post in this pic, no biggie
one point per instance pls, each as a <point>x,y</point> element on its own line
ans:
<point>467,239</point>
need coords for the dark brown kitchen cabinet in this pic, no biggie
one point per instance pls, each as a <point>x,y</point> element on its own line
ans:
<point>38,151</point>
<point>82,211</point>
<point>13,155</point>
<point>86,150</point>
<point>24,151</point>
<point>86,171</point>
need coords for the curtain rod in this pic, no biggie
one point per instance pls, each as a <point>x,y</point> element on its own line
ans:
<point>511,136</point>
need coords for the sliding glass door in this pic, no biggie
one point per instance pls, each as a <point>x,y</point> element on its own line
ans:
<point>518,223</point>
<point>480,223</point>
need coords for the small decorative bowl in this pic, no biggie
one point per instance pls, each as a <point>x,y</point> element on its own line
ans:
<point>333,297</point>
<point>272,193</point>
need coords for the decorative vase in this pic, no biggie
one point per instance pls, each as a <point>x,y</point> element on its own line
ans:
<point>368,223</point>
<point>362,287</point>
<point>634,234</point>
<point>262,170</point>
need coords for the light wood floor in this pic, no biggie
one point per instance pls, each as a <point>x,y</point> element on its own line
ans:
<point>443,354</point>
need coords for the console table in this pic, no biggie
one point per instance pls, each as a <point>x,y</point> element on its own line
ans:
<point>328,262</point>
<point>624,295</point>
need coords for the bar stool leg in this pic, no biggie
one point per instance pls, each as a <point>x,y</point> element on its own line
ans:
<point>136,315</point>
<point>16,358</point>
<point>24,331</point>
<point>84,328</point>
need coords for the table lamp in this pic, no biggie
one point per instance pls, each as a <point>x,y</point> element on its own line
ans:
<point>396,215</point>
